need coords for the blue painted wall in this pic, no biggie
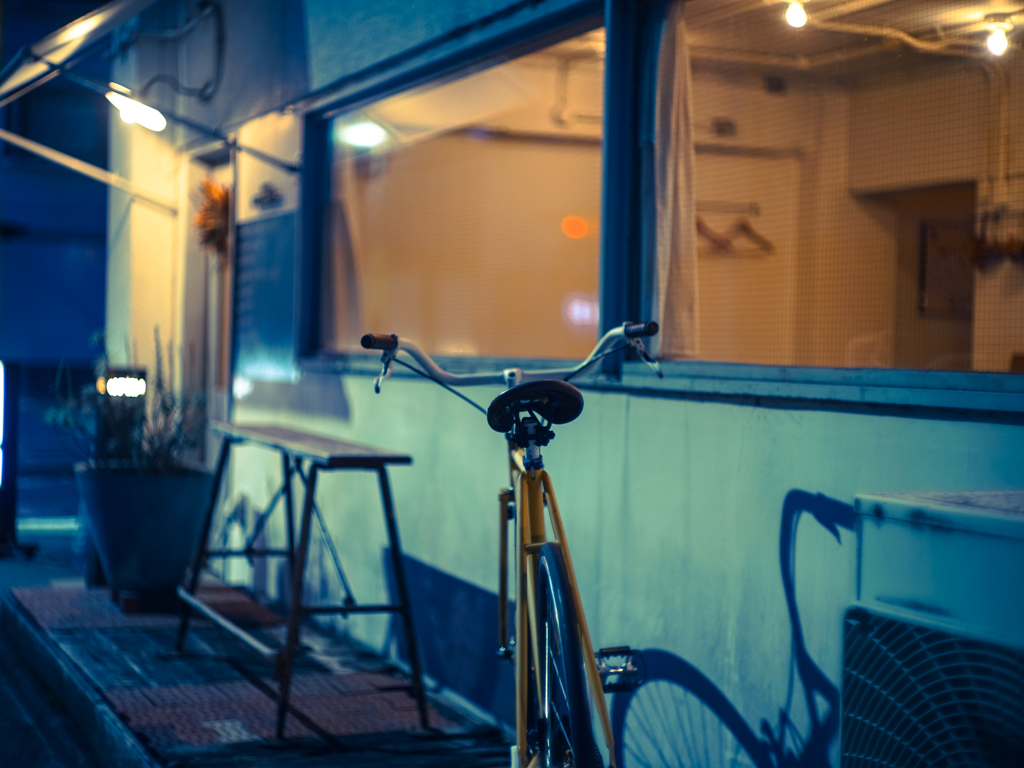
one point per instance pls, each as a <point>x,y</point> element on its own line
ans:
<point>350,36</point>
<point>53,238</point>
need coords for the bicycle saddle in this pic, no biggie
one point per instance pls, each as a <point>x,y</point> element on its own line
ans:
<point>559,402</point>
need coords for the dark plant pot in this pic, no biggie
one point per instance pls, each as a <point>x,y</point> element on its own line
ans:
<point>145,524</point>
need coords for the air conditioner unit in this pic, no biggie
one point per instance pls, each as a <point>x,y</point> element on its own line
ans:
<point>933,650</point>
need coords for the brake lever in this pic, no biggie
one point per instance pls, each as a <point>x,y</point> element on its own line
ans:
<point>638,344</point>
<point>385,368</point>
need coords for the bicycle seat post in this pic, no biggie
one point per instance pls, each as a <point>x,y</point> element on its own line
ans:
<point>530,434</point>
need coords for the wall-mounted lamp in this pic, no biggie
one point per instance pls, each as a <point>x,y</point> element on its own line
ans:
<point>133,111</point>
<point>996,42</point>
<point>122,384</point>
<point>796,16</point>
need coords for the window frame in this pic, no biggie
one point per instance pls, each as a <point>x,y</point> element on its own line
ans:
<point>632,30</point>
<point>317,147</point>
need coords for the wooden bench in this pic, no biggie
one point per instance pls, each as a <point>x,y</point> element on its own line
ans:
<point>306,455</point>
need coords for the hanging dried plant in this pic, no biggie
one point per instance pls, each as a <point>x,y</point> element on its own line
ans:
<point>211,221</point>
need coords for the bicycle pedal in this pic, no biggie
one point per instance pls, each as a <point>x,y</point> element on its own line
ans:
<point>620,668</point>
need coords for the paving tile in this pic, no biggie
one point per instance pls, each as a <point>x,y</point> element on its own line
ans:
<point>82,607</point>
<point>217,700</point>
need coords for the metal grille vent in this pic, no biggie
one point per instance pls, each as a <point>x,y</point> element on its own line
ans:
<point>914,697</point>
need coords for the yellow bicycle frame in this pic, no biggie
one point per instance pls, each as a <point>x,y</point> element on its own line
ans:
<point>534,492</point>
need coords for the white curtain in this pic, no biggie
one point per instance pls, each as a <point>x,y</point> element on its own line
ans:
<point>676,234</point>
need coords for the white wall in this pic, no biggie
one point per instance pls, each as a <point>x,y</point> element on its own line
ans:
<point>145,264</point>
<point>825,296</point>
<point>932,126</point>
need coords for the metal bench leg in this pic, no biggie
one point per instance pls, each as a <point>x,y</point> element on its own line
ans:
<point>289,508</point>
<point>286,659</point>
<point>403,598</point>
<point>199,555</point>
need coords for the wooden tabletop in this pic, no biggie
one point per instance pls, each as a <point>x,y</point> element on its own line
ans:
<point>323,451</point>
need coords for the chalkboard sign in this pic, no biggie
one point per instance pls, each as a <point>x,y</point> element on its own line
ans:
<point>265,299</point>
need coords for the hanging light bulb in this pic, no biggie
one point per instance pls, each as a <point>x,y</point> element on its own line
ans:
<point>796,16</point>
<point>133,111</point>
<point>997,42</point>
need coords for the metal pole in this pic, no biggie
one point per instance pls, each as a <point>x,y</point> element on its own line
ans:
<point>9,457</point>
<point>87,169</point>
<point>199,555</point>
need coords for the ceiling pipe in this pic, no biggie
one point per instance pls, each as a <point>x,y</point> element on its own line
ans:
<point>870,30</point>
<point>799,63</point>
<point>845,9</point>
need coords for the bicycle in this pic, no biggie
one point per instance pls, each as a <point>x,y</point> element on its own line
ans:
<point>666,721</point>
<point>558,681</point>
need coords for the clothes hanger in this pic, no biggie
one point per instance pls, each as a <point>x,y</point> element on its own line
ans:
<point>743,228</point>
<point>722,243</point>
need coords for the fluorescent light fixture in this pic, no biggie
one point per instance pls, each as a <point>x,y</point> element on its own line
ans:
<point>82,28</point>
<point>997,42</point>
<point>135,112</point>
<point>48,525</point>
<point>796,16</point>
<point>123,386</point>
<point>365,134</point>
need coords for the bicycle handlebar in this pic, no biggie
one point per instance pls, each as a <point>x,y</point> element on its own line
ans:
<point>379,341</point>
<point>638,330</point>
<point>630,333</point>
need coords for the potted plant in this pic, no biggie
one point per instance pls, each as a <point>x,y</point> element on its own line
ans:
<point>143,499</point>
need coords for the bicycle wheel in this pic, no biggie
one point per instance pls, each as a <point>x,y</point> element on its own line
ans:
<point>678,718</point>
<point>565,729</point>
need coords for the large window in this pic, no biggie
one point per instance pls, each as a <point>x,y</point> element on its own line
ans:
<point>465,215</point>
<point>856,197</point>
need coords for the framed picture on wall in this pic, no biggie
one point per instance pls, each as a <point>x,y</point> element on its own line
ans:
<point>945,281</point>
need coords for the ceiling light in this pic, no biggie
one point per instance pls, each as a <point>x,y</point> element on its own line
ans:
<point>133,111</point>
<point>82,28</point>
<point>364,134</point>
<point>997,42</point>
<point>796,16</point>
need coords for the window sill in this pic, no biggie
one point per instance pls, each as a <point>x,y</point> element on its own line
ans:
<point>972,394</point>
<point>943,394</point>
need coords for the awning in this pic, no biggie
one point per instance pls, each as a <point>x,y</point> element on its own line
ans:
<point>34,62</point>
<point>48,58</point>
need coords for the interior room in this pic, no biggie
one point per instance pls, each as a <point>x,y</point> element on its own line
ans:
<point>854,203</point>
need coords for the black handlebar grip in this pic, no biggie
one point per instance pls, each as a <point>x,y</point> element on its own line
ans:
<point>379,341</point>
<point>633,330</point>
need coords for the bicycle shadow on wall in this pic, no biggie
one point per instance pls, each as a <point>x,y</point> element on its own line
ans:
<point>680,717</point>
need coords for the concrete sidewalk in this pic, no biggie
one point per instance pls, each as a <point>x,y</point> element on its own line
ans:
<point>142,705</point>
